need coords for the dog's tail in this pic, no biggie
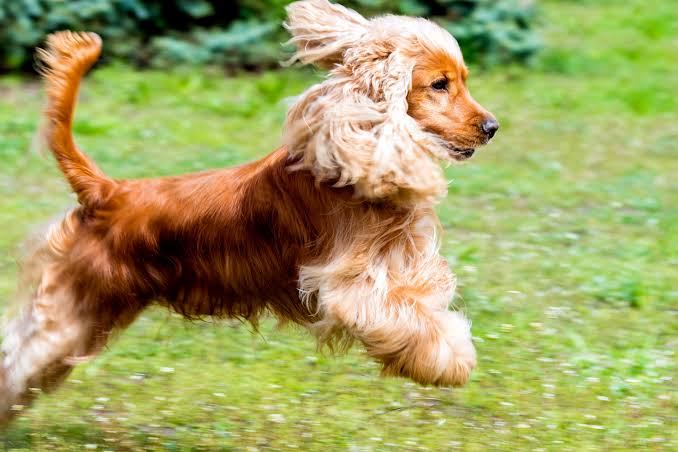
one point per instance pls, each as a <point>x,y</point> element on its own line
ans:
<point>65,61</point>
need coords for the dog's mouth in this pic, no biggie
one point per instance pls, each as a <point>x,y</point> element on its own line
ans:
<point>459,154</point>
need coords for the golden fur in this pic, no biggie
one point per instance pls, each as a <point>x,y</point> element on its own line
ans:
<point>334,231</point>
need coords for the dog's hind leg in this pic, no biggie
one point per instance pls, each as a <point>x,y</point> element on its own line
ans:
<point>50,334</point>
<point>37,343</point>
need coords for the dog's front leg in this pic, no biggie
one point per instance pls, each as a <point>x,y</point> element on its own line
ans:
<point>406,327</point>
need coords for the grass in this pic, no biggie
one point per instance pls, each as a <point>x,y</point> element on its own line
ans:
<point>563,232</point>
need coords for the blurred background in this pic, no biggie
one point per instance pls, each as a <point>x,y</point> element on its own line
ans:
<point>243,34</point>
<point>563,232</point>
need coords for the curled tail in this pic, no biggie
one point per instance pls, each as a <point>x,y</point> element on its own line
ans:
<point>65,61</point>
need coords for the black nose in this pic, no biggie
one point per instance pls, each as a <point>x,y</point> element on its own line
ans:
<point>490,127</point>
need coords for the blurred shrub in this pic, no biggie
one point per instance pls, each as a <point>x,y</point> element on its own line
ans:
<point>243,33</point>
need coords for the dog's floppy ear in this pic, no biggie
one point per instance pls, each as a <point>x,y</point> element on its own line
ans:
<point>354,129</point>
<point>403,160</point>
<point>322,31</point>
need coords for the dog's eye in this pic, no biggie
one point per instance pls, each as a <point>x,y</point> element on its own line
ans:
<point>440,84</point>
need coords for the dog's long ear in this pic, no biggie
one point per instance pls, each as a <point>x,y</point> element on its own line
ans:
<point>354,130</point>
<point>322,31</point>
<point>402,158</point>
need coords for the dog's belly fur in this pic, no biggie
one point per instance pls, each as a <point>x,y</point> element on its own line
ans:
<point>226,278</point>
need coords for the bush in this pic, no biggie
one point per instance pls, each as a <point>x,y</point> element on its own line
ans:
<point>243,33</point>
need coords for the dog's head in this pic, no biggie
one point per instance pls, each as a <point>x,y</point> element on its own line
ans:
<point>394,105</point>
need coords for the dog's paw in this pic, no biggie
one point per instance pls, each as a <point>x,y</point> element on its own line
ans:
<point>459,349</point>
<point>440,353</point>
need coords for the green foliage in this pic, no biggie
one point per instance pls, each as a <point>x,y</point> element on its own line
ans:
<point>494,31</point>
<point>243,33</point>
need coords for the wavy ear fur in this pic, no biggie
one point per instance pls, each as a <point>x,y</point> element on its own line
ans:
<point>354,129</point>
<point>323,31</point>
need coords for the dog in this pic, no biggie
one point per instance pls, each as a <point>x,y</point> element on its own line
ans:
<point>335,230</point>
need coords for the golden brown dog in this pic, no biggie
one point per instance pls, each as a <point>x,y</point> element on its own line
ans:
<point>334,231</point>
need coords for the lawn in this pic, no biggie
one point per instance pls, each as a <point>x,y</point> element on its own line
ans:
<point>563,233</point>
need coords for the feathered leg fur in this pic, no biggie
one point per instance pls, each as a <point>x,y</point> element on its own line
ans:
<point>386,285</point>
<point>53,330</point>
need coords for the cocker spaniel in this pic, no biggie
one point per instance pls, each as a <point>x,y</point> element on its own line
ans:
<point>334,231</point>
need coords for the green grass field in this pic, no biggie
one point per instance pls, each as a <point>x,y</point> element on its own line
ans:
<point>563,233</point>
